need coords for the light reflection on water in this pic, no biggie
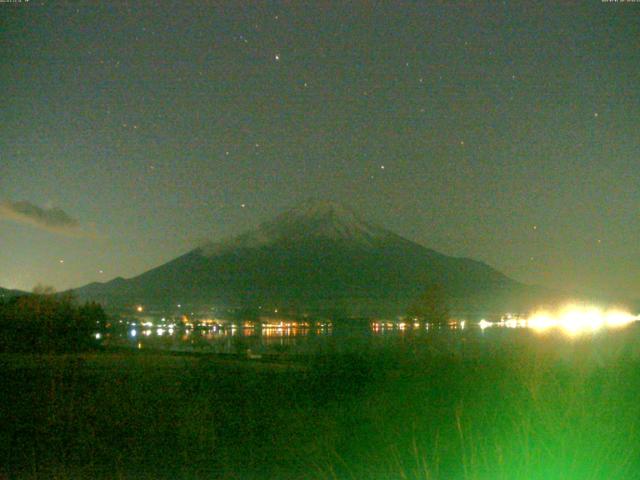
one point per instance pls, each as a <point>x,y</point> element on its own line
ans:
<point>296,339</point>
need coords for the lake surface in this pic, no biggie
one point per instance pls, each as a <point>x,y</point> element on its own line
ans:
<point>461,339</point>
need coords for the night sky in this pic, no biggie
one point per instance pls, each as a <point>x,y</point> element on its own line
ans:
<point>508,132</point>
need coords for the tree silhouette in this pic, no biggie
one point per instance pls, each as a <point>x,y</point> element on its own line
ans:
<point>432,306</point>
<point>46,322</point>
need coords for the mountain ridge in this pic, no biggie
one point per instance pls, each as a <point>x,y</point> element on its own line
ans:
<point>319,256</point>
<point>7,293</point>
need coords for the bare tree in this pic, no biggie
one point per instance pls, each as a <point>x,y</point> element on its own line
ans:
<point>432,306</point>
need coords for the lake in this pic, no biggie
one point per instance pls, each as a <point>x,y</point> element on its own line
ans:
<point>463,339</point>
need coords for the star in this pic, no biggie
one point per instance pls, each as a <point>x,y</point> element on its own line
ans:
<point>242,205</point>
<point>277,57</point>
<point>381,167</point>
<point>595,114</point>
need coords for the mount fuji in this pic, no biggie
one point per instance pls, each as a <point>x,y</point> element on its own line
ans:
<point>319,257</point>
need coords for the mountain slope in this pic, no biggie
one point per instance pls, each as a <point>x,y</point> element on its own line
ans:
<point>318,257</point>
<point>5,293</point>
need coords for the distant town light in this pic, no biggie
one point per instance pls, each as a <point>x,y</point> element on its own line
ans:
<point>484,324</point>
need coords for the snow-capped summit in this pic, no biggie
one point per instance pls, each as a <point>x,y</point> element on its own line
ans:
<point>312,208</point>
<point>323,219</point>
<point>310,220</point>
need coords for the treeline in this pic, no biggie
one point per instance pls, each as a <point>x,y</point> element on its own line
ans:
<point>48,323</point>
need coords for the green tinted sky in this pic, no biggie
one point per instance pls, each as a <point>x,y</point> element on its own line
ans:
<point>508,131</point>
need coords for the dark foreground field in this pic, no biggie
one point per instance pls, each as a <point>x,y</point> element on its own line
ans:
<point>530,410</point>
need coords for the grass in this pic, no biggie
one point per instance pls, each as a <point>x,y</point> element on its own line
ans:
<point>526,409</point>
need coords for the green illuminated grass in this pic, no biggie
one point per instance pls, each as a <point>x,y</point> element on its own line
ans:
<point>525,410</point>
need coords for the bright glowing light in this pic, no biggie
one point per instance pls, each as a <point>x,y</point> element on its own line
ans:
<point>578,319</point>
<point>618,318</point>
<point>98,336</point>
<point>462,324</point>
<point>133,332</point>
<point>484,324</point>
<point>139,309</point>
<point>542,321</point>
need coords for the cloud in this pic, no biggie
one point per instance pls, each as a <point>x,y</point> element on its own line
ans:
<point>52,219</point>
